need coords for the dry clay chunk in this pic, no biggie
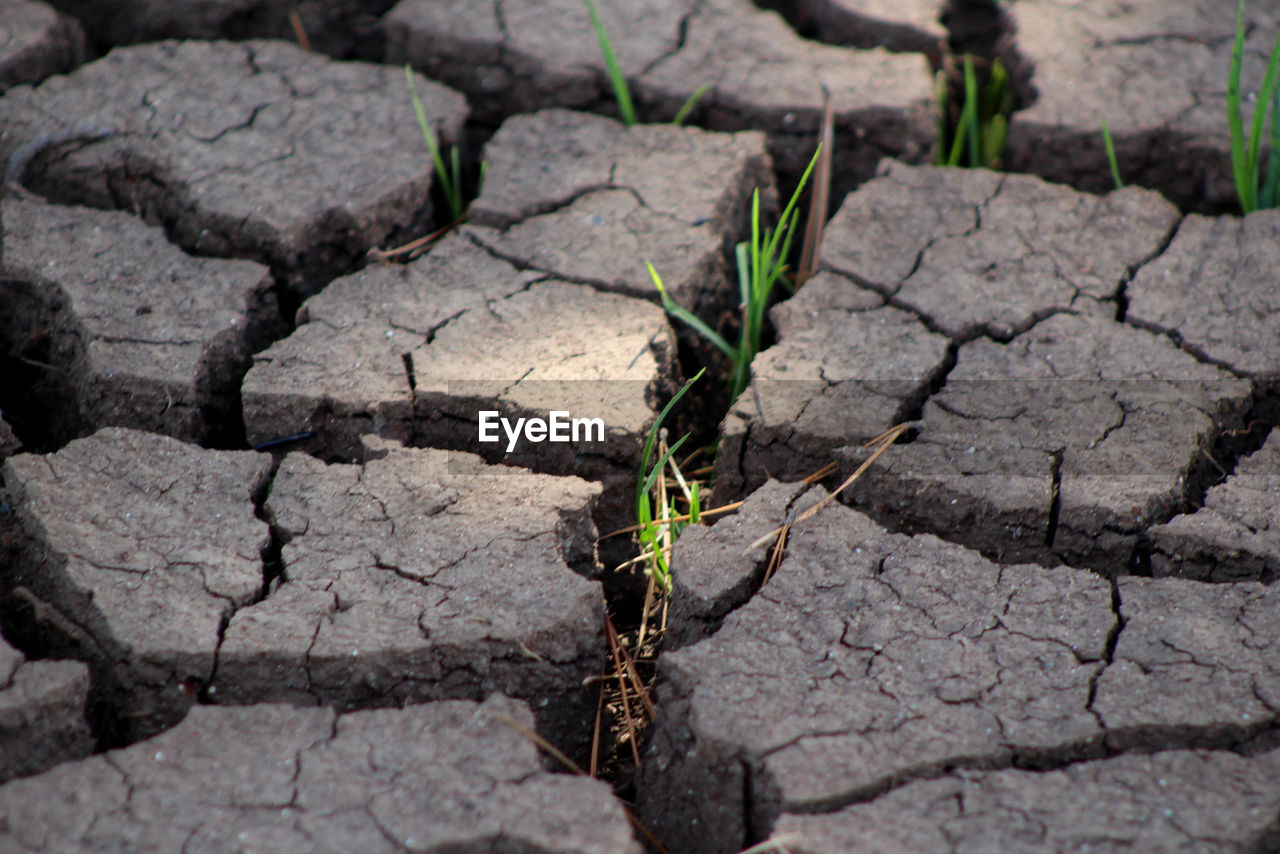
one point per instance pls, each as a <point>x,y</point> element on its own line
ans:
<point>846,368</point>
<point>1157,71</point>
<point>1179,800</point>
<point>1236,535</point>
<point>36,42</point>
<point>423,575</point>
<point>978,252</point>
<point>454,334</point>
<point>871,659</point>
<point>1064,444</point>
<point>591,200</point>
<point>449,776</point>
<point>10,444</point>
<point>758,72</point>
<point>1214,289</point>
<point>42,706</point>
<point>145,335</point>
<point>137,548</point>
<point>254,149</point>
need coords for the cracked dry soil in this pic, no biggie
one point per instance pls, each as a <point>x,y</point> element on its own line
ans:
<point>263,588</point>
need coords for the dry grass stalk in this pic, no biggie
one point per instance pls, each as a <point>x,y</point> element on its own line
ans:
<point>821,198</point>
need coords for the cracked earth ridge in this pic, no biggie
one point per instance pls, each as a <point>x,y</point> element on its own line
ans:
<point>450,775</point>
<point>135,550</point>
<point>140,334</point>
<point>301,163</point>
<point>874,659</point>
<point>423,575</point>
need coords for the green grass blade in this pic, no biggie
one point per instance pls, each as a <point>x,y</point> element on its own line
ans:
<point>740,253</point>
<point>621,92</point>
<point>675,309</point>
<point>1270,191</point>
<point>1261,111</point>
<point>972,125</point>
<point>652,438</point>
<point>695,504</point>
<point>687,106</point>
<point>1241,168</point>
<point>1111,154</point>
<point>448,186</point>
<point>662,462</point>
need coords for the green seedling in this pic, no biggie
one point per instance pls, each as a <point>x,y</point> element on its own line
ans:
<point>762,263</point>
<point>450,177</point>
<point>658,530</point>
<point>1256,188</point>
<point>621,90</point>
<point>979,136</point>
<point>1111,154</point>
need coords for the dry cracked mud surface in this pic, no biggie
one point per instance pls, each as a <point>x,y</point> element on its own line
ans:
<point>266,581</point>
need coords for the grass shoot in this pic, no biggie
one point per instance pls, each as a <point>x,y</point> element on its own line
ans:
<point>977,137</point>
<point>762,263</point>
<point>1111,154</point>
<point>450,176</point>
<point>1256,187</point>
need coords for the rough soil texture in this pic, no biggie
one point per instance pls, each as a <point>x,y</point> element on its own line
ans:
<point>36,42</point>
<point>872,660</point>
<point>445,776</point>
<point>1157,71</point>
<point>124,328</point>
<point>1064,444</point>
<point>604,195</point>
<point>42,719</point>
<point>423,575</point>
<point>133,551</point>
<point>1214,291</point>
<point>1044,620</point>
<point>1235,536</point>
<point>302,163</point>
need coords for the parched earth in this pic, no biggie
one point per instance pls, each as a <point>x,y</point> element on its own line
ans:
<point>278,572</point>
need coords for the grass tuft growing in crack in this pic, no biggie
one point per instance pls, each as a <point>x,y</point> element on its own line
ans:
<point>762,263</point>
<point>975,137</point>
<point>1256,187</point>
<point>450,176</point>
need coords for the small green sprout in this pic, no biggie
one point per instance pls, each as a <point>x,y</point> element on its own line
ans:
<point>450,178</point>
<point>1256,188</point>
<point>1111,154</point>
<point>980,134</point>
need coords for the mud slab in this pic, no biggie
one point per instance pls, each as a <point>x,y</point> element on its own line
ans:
<point>416,353</point>
<point>129,330</point>
<point>304,164</point>
<point>760,74</point>
<point>872,660</point>
<point>603,199</point>
<point>1172,801</point>
<point>42,718</point>
<point>1063,445</point>
<point>423,575</point>
<point>134,550</point>
<point>847,367</point>
<point>1158,73</point>
<point>450,775</point>
<point>1214,291</point>
<point>36,42</point>
<point>1235,536</point>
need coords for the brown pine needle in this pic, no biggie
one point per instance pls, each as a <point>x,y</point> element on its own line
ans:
<point>881,443</point>
<point>778,844</point>
<point>597,732</point>
<point>299,32</point>
<point>633,675</point>
<point>821,474</point>
<point>631,529</point>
